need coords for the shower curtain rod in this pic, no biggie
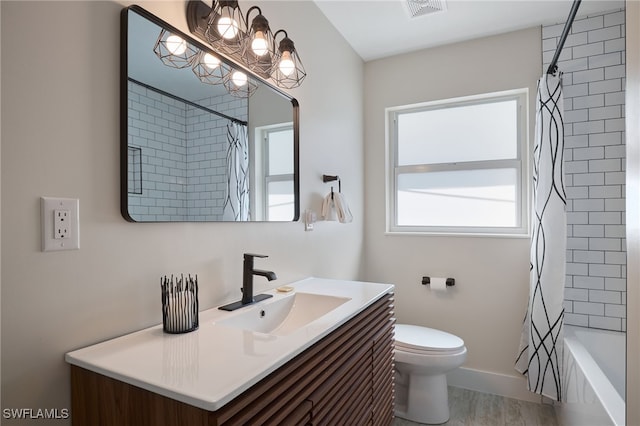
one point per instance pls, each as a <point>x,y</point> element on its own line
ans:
<point>188,102</point>
<point>553,67</point>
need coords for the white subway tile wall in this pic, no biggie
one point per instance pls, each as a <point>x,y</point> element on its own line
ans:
<point>593,66</point>
<point>207,156</point>
<point>183,155</point>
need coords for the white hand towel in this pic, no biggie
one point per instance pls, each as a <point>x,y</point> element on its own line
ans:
<point>329,207</point>
<point>342,208</point>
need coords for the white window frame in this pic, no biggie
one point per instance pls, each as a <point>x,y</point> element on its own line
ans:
<point>262,179</point>
<point>521,164</point>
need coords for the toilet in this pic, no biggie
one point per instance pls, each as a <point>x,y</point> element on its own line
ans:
<point>423,357</point>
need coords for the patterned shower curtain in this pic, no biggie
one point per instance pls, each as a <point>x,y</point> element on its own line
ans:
<point>540,355</point>
<point>236,202</point>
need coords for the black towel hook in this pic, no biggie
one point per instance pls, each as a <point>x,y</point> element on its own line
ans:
<point>330,178</point>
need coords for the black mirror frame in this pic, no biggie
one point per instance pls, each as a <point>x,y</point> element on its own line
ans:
<point>124,128</point>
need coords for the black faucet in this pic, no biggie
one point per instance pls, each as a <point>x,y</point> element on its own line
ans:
<point>247,283</point>
<point>247,277</point>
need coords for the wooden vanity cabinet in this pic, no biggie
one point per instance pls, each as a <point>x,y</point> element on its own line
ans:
<point>344,379</point>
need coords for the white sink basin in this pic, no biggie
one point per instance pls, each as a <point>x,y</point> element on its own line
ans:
<point>281,316</point>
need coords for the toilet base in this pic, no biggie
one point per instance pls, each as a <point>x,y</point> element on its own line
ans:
<point>427,400</point>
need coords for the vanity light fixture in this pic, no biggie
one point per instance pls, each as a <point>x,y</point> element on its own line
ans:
<point>209,69</point>
<point>174,51</point>
<point>226,26</point>
<point>258,52</point>
<point>288,72</point>
<point>255,47</point>
<point>240,85</point>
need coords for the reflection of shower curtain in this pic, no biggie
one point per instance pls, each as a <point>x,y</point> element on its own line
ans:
<point>236,203</point>
<point>540,355</point>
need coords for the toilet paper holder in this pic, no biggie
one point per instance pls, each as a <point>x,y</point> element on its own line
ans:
<point>449,281</point>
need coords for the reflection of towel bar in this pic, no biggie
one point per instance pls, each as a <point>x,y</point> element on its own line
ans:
<point>330,178</point>
<point>450,281</point>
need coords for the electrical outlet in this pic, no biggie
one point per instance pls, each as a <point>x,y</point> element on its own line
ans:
<point>60,223</point>
<point>61,219</point>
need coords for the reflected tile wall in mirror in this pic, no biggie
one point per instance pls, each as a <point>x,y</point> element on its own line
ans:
<point>180,131</point>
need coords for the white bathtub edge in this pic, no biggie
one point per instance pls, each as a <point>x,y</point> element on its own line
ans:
<point>494,383</point>
<point>607,395</point>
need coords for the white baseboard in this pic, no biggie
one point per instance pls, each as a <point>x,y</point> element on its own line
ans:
<point>494,383</point>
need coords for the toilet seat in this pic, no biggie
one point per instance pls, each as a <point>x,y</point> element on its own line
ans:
<point>418,340</point>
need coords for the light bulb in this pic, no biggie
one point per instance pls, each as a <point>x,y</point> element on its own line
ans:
<point>239,78</point>
<point>227,26</point>
<point>286,64</point>
<point>259,44</point>
<point>176,45</point>
<point>211,61</point>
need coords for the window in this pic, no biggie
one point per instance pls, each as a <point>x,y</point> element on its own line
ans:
<point>275,173</point>
<point>459,166</point>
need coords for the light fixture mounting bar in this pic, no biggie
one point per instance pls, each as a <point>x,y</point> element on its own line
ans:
<point>197,18</point>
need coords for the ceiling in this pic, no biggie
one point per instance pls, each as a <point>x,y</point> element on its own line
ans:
<point>380,28</point>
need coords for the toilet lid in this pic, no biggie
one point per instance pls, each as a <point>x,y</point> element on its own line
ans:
<point>419,338</point>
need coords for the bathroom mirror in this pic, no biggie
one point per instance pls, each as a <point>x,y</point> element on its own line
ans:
<point>196,144</point>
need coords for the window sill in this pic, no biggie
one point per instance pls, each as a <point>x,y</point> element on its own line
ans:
<point>406,233</point>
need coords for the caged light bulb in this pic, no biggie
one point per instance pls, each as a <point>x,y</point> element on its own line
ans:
<point>211,61</point>
<point>227,26</point>
<point>259,44</point>
<point>286,64</point>
<point>176,45</point>
<point>239,78</point>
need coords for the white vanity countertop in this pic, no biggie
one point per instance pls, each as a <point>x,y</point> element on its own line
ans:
<point>210,366</point>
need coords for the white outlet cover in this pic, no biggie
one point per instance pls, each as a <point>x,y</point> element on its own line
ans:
<point>48,207</point>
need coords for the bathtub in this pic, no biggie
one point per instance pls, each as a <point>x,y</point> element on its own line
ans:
<point>594,378</point>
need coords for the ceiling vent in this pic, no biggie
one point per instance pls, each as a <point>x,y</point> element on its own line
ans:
<point>425,7</point>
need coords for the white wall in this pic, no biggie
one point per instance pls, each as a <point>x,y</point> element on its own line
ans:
<point>488,303</point>
<point>60,132</point>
